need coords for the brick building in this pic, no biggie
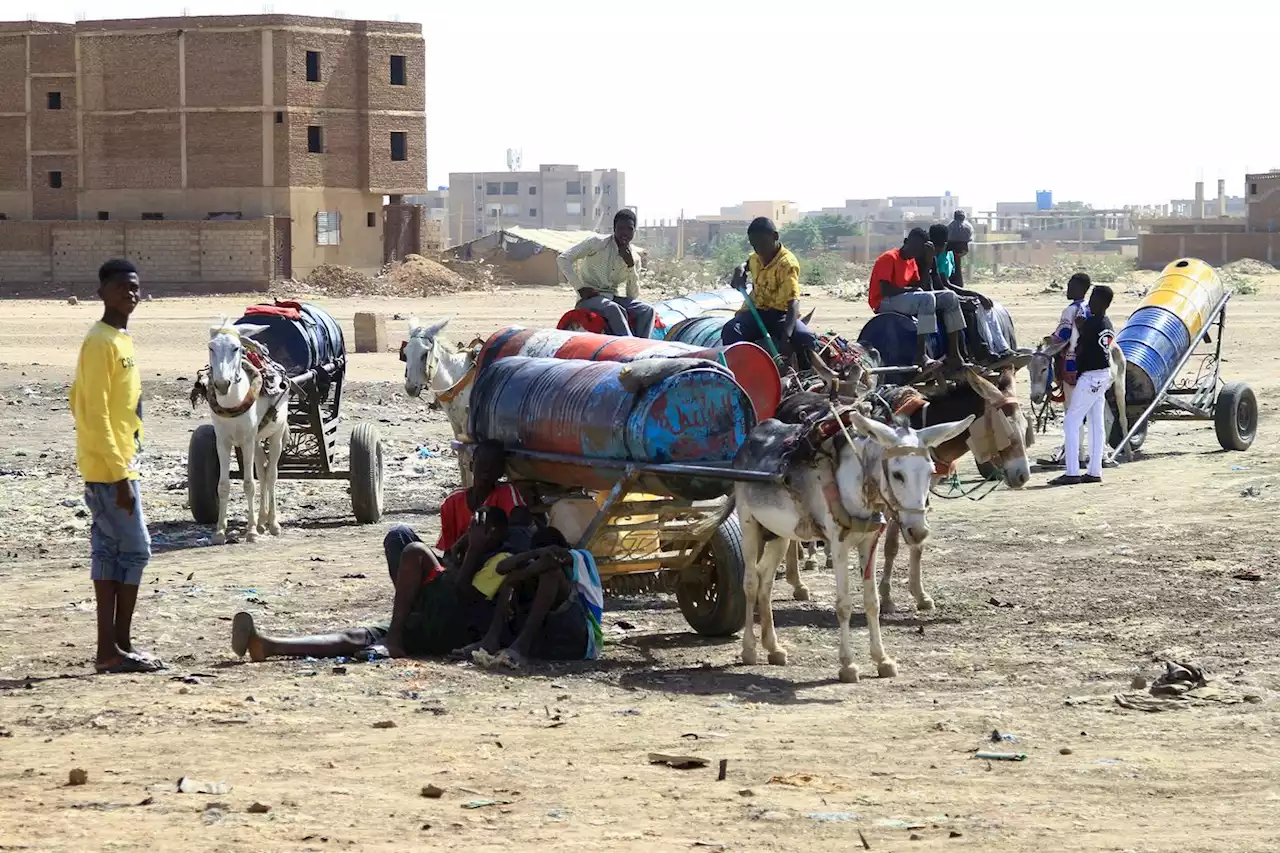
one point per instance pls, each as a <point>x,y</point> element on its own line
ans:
<point>1219,239</point>
<point>559,197</point>
<point>300,124</point>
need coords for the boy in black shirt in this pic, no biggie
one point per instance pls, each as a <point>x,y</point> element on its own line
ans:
<point>1088,402</point>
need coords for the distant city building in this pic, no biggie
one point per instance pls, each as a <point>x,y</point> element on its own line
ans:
<point>781,212</point>
<point>435,204</point>
<point>896,210</point>
<point>560,197</point>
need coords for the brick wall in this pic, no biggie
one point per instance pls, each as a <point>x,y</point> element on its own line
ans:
<point>224,69</point>
<point>136,151</point>
<point>224,150</point>
<point>1155,251</point>
<point>13,152</point>
<point>342,70</point>
<point>46,258</point>
<point>13,74</point>
<point>403,175</point>
<point>54,53</point>
<point>382,95</point>
<point>340,164</point>
<point>53,202</point>
<point>53,130</point>
<point>129,72</point>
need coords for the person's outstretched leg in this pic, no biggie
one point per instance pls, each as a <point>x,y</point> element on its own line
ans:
<point>245,638</point>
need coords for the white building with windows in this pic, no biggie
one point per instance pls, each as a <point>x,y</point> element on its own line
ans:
<point>561,197</point>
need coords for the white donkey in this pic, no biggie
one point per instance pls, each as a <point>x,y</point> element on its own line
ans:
<point>836,496</point>
<point>1041,370</point>
<point>246,417</point>
<point>443,370</point>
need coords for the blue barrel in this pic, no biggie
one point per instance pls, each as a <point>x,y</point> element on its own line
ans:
<point>894,336</point>
<point>314,340</point>
<point>1153,341</point>
<point>580,409</point>
<point>699,331</point>
<point>670,312</point>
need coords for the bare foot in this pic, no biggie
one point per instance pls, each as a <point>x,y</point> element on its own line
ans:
<point>466,651</point>
<point>510,657</point>
<point>245,638</point>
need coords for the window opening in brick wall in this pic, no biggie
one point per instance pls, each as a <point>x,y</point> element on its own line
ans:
<point>573,188</point>
<point>55,100</point>
<point>533,211</point>
<point>510,188</point>
<point>371,219</point>
<point>1253,189</point>
<point>313,66</point>
<point>493,188</point>
<point>328,228</point>
<point>103,215</point>
<point>55,180</point>
<point>399,145</point>
<point>153,217</point>
<point>315,139</point>
<point>397,70</point>
<point>279,117</point>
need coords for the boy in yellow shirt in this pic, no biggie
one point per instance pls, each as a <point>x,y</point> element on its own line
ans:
<point>775,274</point>
<point>106,400</point>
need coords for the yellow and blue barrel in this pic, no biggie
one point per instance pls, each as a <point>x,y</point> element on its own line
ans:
<point>1168,320</point>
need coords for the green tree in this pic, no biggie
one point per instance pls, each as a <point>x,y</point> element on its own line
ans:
<point>802,236</point>
<point>832,226</point>
<point>727,252</point>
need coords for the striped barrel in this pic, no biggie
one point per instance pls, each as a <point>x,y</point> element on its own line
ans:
<point>1189,289</point>
<point>750,365</point>
<point>670,312</point>
<point>1153,341</point>
<point>581,409</point>
<point>701,331</point>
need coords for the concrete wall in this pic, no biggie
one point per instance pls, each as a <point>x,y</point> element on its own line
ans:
<point>47,258</point>
<point>360,246</point>
<point>1155,251</point>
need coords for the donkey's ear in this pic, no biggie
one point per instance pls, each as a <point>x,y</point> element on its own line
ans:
<point>884,435</point>
<point>935,435</point>
<point>248,330</point>
<point>436,328</point>
<point>414,324</point>
<point>983,386</point>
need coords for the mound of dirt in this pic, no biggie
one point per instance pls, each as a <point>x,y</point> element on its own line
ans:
<point>338,281</point>
<point>419,276</point>
<point>1248,266</point>
<point>416,276</point>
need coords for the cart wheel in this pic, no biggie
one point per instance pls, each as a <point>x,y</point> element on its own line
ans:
<point>1235,416</point>
<point>710,592</point>
<point>203,472</point>
<point>366,473</point>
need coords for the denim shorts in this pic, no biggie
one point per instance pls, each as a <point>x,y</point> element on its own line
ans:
<point>119,540</point>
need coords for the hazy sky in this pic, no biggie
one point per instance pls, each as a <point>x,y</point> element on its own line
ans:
<point>706,102</point>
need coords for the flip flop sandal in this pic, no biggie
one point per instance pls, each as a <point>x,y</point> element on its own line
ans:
<point>128,665</point>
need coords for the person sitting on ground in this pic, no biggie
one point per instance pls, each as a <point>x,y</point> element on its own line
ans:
<point>562,618</point>
<point>896,286</point>
<point>775,274</point>
<point>434,610</point>
<point>597,266</point>
<point>1089,399</point>
<point>488,489</point>
<point>987,342</point>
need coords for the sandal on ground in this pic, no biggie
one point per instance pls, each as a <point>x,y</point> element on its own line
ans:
<point>129,665</point>
<point>1089,478</point>
<point>1065,480</point>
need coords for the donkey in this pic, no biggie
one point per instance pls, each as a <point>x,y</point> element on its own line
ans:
<point>1041,369</point>
<point>443,370</point>
<point>245,416</point>
<point>836,495</point>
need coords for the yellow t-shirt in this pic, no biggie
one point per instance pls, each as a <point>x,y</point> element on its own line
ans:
<point>106,401</point>
<point>487,580</point>
<point>777,284</point>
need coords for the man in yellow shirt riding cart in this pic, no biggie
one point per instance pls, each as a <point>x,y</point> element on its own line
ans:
<point>775,273</point>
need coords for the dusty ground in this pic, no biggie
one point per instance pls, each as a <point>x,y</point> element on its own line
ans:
<point>1043,596</point>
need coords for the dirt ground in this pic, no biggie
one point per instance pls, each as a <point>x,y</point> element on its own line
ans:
<point>1049,603</point>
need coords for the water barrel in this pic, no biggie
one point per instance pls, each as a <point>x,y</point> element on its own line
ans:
<point>894,336</point>
<point>700,331</point>
<point>1190,289</point>
<point>750,365</point>
<point>580,409</point>
<point>1153,340</point>
<point>314,340</point>
<point>672,311</point>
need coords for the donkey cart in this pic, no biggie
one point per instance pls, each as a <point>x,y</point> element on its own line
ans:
<point>1181,319</point>
<point>308,343</point>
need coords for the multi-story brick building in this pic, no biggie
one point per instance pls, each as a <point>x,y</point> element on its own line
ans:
<point>307,120</point>
<point>559,197</point>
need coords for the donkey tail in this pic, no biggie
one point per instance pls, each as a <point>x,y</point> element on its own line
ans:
<point>703,529</point>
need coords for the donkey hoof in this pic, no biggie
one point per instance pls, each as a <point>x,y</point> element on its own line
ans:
<point>924,605</point>
<point>778,657</point>
<point>220,538</point>
<point>262,528</point>
<point>849,674</point>
<point>800,593</point>
<point>273,529</point>
<point>251,535</point>
<point>749,657</point>
<point>887,668</point>
<point>887,605</point>
<point>810,565</point>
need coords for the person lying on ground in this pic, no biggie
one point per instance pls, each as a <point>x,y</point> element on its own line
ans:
<point>598,266</point>
<point>775,277</point>
<point>565,600</point>
<point>434,610</point>
<point>897,286</point>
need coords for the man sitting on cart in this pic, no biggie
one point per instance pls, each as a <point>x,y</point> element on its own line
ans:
<point>897,285</point>
<point>598,266</point>
<point>775,274</point>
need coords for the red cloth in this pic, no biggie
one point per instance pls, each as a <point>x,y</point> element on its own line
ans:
<point>895,269</point>
<point>587,320</point>
<point>288,310</point>
<point>455,515</point>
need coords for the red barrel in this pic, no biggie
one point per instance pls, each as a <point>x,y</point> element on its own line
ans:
<point>751,366</point>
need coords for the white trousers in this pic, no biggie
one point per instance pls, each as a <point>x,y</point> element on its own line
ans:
<point>1088,402</point>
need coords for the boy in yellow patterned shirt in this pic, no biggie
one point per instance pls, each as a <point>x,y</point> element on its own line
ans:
<point>775,273</point>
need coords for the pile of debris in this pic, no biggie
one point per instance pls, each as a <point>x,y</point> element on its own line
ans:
<point>415,276</point>
<point>338,281</point>
<point>1248,266</point>
<point>419,276</point>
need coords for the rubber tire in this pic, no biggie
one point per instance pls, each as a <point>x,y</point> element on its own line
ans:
<point>366,474</point>
<point>1232,434</point>
<point>1115,436</point>
<point>724,616</point>
<point>203,472</point>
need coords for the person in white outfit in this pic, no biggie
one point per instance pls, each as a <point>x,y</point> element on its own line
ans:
<point>1066,332</point>
<point>1088,402</point>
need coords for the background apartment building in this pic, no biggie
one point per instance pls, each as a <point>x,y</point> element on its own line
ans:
<point>780,211</point>
<point>308,120</point>
<point>556,196</point>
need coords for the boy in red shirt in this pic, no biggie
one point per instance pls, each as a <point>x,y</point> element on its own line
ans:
<point>896,286</point>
